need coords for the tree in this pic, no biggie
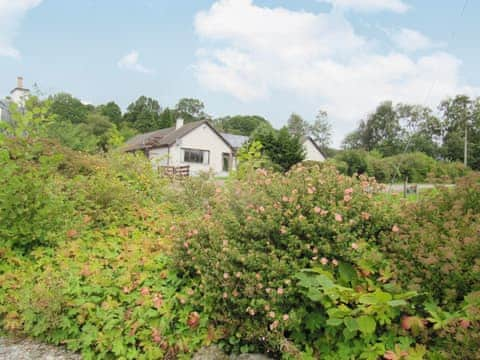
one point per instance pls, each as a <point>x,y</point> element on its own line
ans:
<point>297,126</point>
<point>240,124</point>
<point>321,130</point>
<point>191,110</point>
<point>112,111</point>
<point>421,128</point>
<point>381,131</point>
<point>65,107</point>
<point>143,114</point>
<point>459,115</point>
<point>33,120</point>
<point>280,146</point>
<point>353,140</point>
<point>167,118</point>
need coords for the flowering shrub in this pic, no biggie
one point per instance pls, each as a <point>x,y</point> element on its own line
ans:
<point>437,247</point>
<point>96,254</point>
<point>258,233</point>
<point>109,294</point>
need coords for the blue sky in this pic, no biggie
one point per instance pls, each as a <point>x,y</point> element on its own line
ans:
<point>262,57</point>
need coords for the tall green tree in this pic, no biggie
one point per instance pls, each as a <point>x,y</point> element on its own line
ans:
<point>240,124</point>
<point>459,114</point>
<point>280,146</point>
<point>191,110</point>
<point>65,107</point>
<point>321,130</point>
<point>381,131</point>
<point>421,129</point>
<point>297,126</point>
<point>112,111</point>
<point>143,114</point>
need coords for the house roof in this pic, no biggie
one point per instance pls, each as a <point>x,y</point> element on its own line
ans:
<point>166,137</point>
<point>306,138</point>
<point>236,141</point>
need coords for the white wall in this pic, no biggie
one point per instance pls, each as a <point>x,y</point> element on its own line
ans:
<point>159,157</point>
<point>311,152</point>
<point>19,96</point>
<point>202,138</point>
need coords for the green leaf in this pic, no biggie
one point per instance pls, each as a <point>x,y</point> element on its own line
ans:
<point>347,273</point>
<point>334,322</point>
<point>366,324</point>
<point>351,323</point>
<point>378,297</point>
<point>395,303</point>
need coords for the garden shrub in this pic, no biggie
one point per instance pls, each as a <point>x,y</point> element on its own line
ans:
<point>33,208</point>
<point>437,247</point>
<point>258,233</point>
<point>417,167</point>
<point>108,294</point>
<point>48,190</point>
<point>100,254</point>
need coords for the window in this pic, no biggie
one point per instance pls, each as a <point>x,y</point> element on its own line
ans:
<point>225,162</point>
<point>195,156</point>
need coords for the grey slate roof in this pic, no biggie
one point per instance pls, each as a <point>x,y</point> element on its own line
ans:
<point>236,141</point>
<point>166,137</point>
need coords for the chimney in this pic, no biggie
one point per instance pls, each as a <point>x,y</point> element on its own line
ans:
<point>20,82</point>
<point>179,123</point>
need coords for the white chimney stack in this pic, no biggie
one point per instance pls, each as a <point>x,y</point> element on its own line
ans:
<point>20,82</point>
<point>179,123</point>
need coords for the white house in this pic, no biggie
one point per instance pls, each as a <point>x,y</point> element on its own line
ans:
<point>4,113</point>
<point>196,144</point>
<point>18,96</point>
<point>200,146</point>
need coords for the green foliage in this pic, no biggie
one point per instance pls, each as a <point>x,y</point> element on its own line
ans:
<point>437,248</point>
<point>354,318</point>
<point>67,108</point>
<point>33,209</point>
<point>297,126</point>
<point>112,111</point>
<point>191,110</point>
<point>240,124</point>
<point>416,167</point>
<point>281,147</point>
<point>256,234</point>
<point>143,115</point>
<point>31,121</point>
<point>321,130</point>
<point>100,254</point>
<point>393,130</point>
<point>250,157</point>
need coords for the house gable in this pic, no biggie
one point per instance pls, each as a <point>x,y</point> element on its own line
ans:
<point>312,150</point>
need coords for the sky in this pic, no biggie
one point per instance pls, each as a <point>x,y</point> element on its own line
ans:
<point>262,57</point>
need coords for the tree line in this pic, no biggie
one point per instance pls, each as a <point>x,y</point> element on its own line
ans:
<point>390,130</point>
<point>394,129</point>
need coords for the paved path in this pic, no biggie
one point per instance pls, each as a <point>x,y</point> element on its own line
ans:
<point>25,349</point>
<point>398,188</point>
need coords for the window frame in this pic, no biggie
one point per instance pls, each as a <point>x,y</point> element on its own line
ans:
<point>203,152</point>
<point>226,156</point>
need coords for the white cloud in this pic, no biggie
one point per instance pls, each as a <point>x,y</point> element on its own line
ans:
<point>11,14</point>
<point>369,5</point>
<point>412,40</point>
<point>130,62</point>
<point>312,56</point>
